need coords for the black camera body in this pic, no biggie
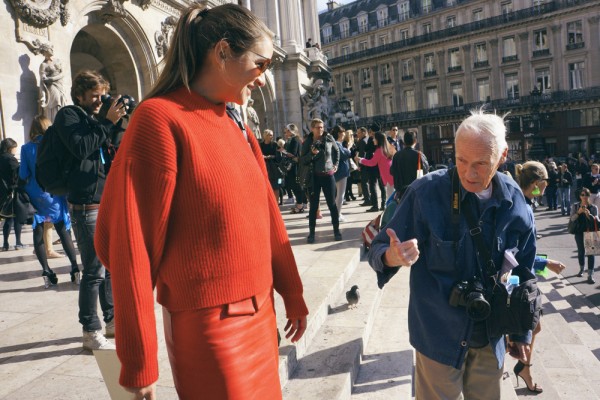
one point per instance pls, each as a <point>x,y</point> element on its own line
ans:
<point>471,295</point>
<point>130,103</point>
<point>319,145</point>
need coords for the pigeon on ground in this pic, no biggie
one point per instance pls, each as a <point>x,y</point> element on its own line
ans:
<point>353,296</point>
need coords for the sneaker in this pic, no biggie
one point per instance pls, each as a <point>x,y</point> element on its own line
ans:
<point>580,274</point>
<point>21,246</point>
<point>591,280</point>
<point>110,329</point>
<point>96,341</point>
<point>342,218</point>
<point>337,236</point>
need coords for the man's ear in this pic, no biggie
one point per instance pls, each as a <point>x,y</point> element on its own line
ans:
<point>503,156</point>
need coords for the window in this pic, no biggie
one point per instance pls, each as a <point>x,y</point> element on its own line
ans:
<point>409,100</point>
<point>383,39</point>
<point>327,33</point>
<point>574,32</point>
<point>366,76</point>
<point>450,3</point>
<point>576,75</point>
<point>506,8</point>
<point>388,104</point>
<point>368,106</point>
<point>427,28</point>
<point>327,54</point>
<point>426,6</point>
<point>542,79</point>
<point>345,51</point>
<point>403,11</point>
<point>429,65</point>
<point>404,34</point>
<point>512,86</point>
<point>363,45</point>
<point>382,17</point>
<point>407,68</point>
<point>348,80</point>
<point>509,50</point>
<point>481,53</point>
<point>454,58</point>
<point>540,40</point>
<point>457,94</point>
<point>363,22</point>
<point>477,15</point>
<point>386,76</point>
<point>483,89</point>
<point>344,28</point>
<point>432,97</point>
<point>451,21</point>
<point>537,3</point>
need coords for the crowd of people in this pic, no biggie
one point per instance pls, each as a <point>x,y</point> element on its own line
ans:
<point>156,215</point>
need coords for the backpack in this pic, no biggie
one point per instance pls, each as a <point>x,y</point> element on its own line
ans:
<point>53,162</point>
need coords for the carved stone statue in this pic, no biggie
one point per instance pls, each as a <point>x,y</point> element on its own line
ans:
<point>253,120</point>
<point>315,103</point>
<point>52,92</point>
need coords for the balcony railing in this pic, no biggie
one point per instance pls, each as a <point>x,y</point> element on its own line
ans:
<point>541,53</point>
<point>501,105</point>
<point>407,77</point>
<point>481,64</point>
<point>347,89</point>
<point>574,46</point>
<point>510,58</point>
<point>428,74</point>
<point>365,85</point>
<point>385,81</point>
<point>460,30</point>
<point>455,68</point>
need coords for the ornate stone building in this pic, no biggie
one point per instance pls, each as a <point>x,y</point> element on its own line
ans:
<point>126,40</point>
<point>422,64</point>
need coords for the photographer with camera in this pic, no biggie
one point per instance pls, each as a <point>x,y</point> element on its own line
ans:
<point>85,134</point>
<point>448,316</point>
<point>321,153</point>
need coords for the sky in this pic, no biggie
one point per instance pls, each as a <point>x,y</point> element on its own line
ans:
<point>322,4</point>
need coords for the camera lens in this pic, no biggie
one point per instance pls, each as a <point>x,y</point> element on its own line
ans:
<point>478,308</point>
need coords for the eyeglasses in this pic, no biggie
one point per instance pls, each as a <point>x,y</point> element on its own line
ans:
<point>584,195</point>
<point>263,65</point>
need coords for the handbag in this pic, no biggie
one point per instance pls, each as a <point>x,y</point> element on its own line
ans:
<point>7,206</point>
<point>591,241</point>
<point>575,226</point>
<point>419,168</point>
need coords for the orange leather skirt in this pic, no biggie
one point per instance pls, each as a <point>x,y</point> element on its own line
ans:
<point>227,352</point>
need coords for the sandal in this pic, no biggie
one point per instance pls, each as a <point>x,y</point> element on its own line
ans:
<point>297,210</point>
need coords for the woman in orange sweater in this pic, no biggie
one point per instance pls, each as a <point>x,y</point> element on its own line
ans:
<point>168,220</point>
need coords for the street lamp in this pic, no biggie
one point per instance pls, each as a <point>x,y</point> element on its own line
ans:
<point>538,147</point>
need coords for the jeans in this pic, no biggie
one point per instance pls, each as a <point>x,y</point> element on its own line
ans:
<point>327,183</point>
<point>95,281</point>
<point>551,197</point>
<point>340,187</point>
<point>564,198</point>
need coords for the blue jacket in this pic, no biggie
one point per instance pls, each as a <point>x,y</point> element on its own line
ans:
<point>437,329</point>
<point>343,170</point>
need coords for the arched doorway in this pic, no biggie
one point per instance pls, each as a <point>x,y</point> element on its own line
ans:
<point>98,48</point>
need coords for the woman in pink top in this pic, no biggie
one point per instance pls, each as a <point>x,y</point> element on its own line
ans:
<point>382,158</point>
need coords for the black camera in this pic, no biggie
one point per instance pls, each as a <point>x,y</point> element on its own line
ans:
<point>319,145</point>
<point>130,103</point>
<point>470,294</point>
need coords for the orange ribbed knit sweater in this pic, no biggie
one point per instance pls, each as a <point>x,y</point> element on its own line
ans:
<point>187,208</point>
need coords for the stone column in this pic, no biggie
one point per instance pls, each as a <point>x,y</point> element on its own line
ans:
<point>525,70</point>
<point>311,21</point>
<point>356,91</point>
<point>594,79</point>
<point>442,72</point>
<point>397,79</point>
<point>468,89</point>
<point>561,81</point>
<point>418,87</point>
<point>495,61</point>
<point>291,32</point>
<point>376,94</point>
<point>269,13</point>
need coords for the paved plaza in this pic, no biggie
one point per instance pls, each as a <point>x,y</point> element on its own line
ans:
<point>40,339</point>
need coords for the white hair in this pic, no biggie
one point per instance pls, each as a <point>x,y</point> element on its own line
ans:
<point>487,126</point>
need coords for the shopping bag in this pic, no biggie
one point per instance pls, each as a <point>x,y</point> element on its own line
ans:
<point>419,167</point>
<point>370,231</point>
<point>591,242</point>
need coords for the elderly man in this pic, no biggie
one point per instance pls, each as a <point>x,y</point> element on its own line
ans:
<point>455,357</point>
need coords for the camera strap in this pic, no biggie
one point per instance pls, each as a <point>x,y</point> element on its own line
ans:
<point>474,228</point>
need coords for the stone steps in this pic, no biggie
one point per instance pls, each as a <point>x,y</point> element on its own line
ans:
<point>331,362</point>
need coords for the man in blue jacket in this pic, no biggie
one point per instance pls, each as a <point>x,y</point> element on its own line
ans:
<point>455,356</point>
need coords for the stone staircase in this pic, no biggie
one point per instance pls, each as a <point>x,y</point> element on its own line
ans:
<point>364,353</point>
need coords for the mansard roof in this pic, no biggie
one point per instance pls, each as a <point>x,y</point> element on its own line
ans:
<point>351,10</point>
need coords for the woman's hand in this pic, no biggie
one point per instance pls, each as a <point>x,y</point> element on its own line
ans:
<point>295,328</point>
<point>555,266</point>
<point>143,393</point>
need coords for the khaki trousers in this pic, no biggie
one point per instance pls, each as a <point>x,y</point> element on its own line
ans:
<point>478,379</point>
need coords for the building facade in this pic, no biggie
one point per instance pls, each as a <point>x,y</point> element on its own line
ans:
<point>126,41</point>
<point>423,64</point>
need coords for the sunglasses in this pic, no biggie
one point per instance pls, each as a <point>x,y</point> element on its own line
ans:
<point>264,65</point>
<point>584,195</point>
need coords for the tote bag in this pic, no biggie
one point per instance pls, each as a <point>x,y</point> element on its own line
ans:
<point>7,205</point>
<point>419,168</point>
<point>591,241</point>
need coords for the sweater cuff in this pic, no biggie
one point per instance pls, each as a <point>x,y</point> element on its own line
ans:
<point>139,376</point>
<point>295,307</point>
